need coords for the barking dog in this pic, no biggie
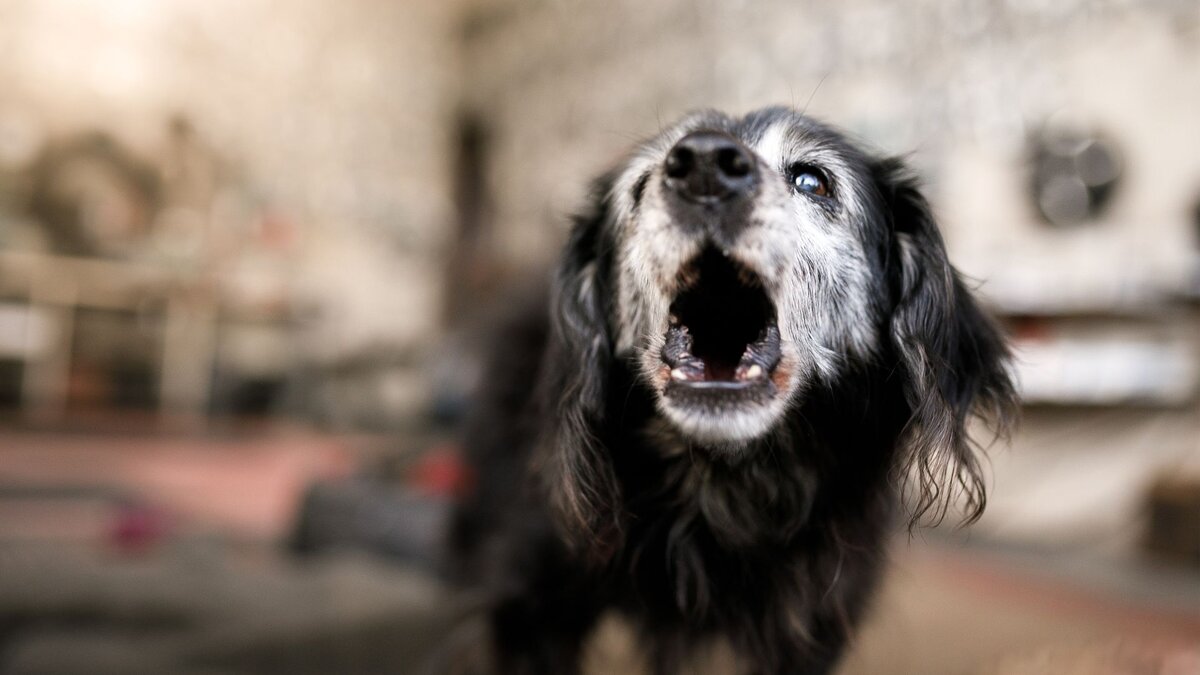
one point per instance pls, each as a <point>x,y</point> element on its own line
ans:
<point>754,343</point>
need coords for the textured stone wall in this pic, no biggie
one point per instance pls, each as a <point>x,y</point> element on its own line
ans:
<point>956,86</point>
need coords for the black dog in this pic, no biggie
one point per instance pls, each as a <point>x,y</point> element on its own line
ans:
<point>755,341</point>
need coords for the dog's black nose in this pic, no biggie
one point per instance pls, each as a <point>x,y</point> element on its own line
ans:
<point>710,166</point>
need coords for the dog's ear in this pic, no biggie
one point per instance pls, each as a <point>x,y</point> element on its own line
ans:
<point>953,357</point>
<point>575,469</point>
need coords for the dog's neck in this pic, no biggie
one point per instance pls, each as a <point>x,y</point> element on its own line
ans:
<point>691,508</point>
<point>757,495</point>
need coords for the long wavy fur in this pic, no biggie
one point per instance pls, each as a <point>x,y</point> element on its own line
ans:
<point>954,360</point>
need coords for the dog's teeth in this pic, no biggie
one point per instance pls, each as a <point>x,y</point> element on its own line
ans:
<point>754,372</point>
<point>673,319</point>
<point>678,374</point>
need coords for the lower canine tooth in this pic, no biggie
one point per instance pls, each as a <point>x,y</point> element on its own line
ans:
<point>753,372</point>
<point>678,374</point>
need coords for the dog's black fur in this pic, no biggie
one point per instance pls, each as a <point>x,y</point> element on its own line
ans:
<point>776,548</point>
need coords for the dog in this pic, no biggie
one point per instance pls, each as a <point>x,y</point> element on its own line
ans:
<point>754,349</point>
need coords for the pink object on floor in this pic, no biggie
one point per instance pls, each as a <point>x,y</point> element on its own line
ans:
<point>248,484</point>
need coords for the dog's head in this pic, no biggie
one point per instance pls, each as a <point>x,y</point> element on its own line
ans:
<point>737,265</point>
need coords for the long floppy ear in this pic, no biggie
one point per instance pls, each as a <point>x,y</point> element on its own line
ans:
<point>953,357</point>
<point>575,468</point>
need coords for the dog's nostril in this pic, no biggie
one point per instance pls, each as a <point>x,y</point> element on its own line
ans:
<point>679,162</point>
<point>733,162</point>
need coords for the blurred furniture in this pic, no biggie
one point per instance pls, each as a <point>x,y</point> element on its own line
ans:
<point>45,292</point>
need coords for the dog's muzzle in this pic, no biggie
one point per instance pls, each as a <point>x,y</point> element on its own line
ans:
<point>710,167</point>
<point>711,180</point>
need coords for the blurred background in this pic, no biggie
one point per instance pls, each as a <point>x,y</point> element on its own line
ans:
<point>247,248</point>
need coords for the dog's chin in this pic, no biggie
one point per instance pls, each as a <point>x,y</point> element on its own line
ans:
<point>723,424</point>
<point>720,377</point>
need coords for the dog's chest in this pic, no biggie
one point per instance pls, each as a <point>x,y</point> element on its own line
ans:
<point>618,644</point>
<point>704,552</point>
<point>763,498</point>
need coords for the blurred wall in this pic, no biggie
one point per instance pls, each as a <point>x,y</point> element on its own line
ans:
<point>307,198</point>
<point>957,86</point>
<point>333,113</point>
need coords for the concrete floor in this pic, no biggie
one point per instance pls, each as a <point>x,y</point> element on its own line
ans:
<point>203,605</point>
<point>210,592</point>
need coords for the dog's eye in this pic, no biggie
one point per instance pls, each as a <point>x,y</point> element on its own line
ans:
<point>808,178</point>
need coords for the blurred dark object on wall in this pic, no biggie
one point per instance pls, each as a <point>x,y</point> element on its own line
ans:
<point>1073,173</point>
<point>1173,506</point>
<point>472,269</point>
<point>1193,290</point>
<point>93,196</point>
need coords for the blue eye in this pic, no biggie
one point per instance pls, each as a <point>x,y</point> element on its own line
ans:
<point>810,179</point>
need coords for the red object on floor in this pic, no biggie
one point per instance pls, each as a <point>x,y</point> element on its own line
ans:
<point>442,472</point>
<point>139,527</point>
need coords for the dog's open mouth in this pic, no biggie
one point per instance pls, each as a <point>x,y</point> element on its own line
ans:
<point>722,334</point>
